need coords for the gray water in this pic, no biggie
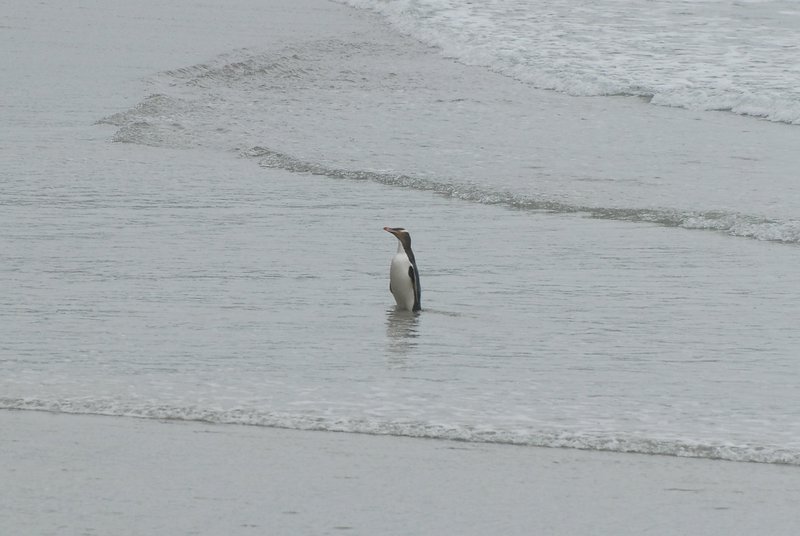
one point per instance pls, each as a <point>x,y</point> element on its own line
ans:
<point>191,219</point>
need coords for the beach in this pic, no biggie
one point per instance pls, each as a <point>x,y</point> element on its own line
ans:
<point>196,330</point>
<point>83,474</point>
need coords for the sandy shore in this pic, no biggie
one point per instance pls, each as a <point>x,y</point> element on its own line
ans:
<point>77,474</point>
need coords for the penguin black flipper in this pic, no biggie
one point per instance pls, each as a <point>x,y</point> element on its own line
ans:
<point>415,284</point>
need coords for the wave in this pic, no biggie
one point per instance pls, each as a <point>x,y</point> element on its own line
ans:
<point>733,224</point>
<point>209,107</point>
<point>623,443</point>
<point>157,122</point>
<point>700,57</point>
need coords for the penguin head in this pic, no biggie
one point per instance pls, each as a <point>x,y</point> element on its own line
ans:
<point>401,234</point>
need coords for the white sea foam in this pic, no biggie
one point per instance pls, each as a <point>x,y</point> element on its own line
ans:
<point>704,55</point>
<point>550,438</point>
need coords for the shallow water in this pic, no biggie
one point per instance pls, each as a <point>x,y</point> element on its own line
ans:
<point>208,246</point>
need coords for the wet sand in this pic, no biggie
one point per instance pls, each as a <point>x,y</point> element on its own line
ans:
<point>83,474</point>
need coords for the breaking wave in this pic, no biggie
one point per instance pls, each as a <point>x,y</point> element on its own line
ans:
<point>611,442</point>
<point>733,224</point>
<point>208,105</point>
<point>739,57</point>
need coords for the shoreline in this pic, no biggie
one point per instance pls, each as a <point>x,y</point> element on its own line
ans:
<point>680,450</point>
<point>87,474</point>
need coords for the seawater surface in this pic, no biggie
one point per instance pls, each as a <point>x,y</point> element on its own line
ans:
<point>197,235</point>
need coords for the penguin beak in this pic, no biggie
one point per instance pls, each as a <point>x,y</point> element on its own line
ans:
<point>390,230</point>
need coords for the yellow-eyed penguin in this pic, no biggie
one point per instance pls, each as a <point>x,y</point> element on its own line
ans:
<point>403,273</point>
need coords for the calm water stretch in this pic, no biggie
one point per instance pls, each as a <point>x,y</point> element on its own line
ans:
<point>603,199</point>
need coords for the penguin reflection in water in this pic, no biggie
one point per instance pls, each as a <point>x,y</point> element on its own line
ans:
<point>403,273</point>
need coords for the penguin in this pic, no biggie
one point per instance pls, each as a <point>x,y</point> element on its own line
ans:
<point>403,273</point>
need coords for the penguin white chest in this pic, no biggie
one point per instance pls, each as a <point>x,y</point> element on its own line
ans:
<point>400,281</point>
